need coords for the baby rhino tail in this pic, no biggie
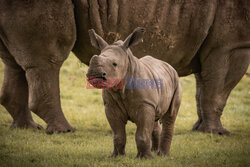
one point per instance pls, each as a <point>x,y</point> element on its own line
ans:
<point>176,101</point>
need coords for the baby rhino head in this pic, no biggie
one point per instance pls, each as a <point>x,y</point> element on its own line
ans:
<point>112,63</point>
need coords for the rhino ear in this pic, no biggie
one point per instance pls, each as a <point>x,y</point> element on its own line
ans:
<point>134,38</point>
<point>96,40</point>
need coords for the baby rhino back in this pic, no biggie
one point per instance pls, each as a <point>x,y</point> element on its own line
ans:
<point>169,85</point>
<point>160,68</point>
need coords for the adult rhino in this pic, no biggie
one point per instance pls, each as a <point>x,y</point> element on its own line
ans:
<point>208,38</point>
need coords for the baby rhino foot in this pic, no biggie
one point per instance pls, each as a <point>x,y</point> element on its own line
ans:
<point>162,153</point>
<point>144,155</point>
<point>115,154</point>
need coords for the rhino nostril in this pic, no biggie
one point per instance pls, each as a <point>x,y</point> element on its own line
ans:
<point>104,74</point>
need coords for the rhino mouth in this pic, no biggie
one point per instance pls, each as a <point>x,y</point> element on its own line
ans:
<point>96,78</point>
<point>97,82</point>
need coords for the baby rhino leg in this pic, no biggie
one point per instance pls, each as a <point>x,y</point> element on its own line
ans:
<point>145,125</point>
<point>168,121</point>
<point>167,134</point>
<point>117,124</point>
<point>156,136</point>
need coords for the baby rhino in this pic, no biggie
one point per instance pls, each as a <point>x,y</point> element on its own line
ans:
<point>143,91</point>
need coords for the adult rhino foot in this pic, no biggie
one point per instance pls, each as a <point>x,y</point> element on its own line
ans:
<point>197,124</point>
<point>59,128</point>
<point>220,130</point>
<point>28,124</point>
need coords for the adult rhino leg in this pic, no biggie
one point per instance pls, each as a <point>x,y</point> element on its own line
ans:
<point>14,92</point>
<point>219,76</point>
<point>212,104</point>
<point>197,97</point>
<point>14,97</point>
<point>40,41</point>
<point>44,98</point>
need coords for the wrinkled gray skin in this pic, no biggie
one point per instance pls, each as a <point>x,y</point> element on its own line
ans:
<point>144,107</point>
<point>208,38</point>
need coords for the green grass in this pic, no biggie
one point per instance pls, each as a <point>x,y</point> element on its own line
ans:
<point>92,142</point>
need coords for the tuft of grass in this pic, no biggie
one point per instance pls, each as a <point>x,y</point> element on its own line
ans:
<point>92,142</point>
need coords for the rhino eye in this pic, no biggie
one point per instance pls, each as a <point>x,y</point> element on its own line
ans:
<point>114,64</point>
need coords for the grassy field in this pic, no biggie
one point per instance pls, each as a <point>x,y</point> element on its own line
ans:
<point>92,142</point>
